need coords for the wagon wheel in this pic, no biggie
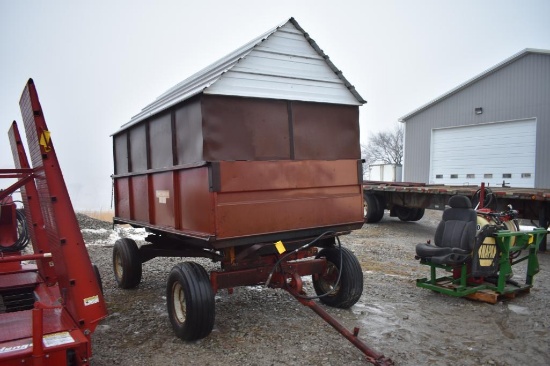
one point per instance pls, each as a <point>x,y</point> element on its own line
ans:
<point>190,301</point>
<point>348,291</point>
<point>373,208</point>
<point>126,263</point>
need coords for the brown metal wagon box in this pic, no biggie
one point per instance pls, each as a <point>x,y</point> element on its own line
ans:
<point>261,145</point>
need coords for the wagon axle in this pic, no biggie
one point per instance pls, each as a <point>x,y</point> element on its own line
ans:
<point>336,274</point>
<point>326,278</point>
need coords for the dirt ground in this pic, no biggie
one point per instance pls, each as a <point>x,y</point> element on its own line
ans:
<point>259,326</point>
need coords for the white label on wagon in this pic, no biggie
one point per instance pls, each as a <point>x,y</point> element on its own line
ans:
<point>162,195</point>
<point>56,339</point>
<point>91,300</point>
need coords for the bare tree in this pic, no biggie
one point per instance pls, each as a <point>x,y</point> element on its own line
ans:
<point>384,147</point>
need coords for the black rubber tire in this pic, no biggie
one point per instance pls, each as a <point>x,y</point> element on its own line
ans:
<point>98,277</point>
<point>350,288</point>
<point>419,214</point>
<point>409,213</point>
<point>126,263</point>
<point>373,208</point>
<point>190,301</point>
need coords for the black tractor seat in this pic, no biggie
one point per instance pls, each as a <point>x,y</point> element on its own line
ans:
<point>455,235</point>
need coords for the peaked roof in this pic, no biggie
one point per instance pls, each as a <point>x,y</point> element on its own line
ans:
<point>253,69</point>
<point>485,73</point>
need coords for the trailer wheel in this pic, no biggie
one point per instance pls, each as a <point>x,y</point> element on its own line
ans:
<point>350,288</point>
<point>419,214</point>
<point>409,213</point>
<point>373,208</point>
<point>126,263</point>
<point>190,301</point>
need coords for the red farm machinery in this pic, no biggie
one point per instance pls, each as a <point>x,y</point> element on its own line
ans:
<point>50,295</point>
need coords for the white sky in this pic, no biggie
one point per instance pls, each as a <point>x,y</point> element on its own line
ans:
<point>98,63</point>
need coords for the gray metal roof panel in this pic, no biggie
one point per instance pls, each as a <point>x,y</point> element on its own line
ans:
<point>207,77</point>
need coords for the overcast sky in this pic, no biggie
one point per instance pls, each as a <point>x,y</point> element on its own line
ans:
<point>98,63</point>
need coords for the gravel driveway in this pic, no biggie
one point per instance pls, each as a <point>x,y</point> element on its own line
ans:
<point>259,326</point>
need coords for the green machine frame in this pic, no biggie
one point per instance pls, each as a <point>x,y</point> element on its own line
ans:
<point>463,284</point>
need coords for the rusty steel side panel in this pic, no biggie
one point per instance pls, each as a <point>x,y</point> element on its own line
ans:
<point>139,148</point>
<point>245,129</point>
<point>226,128</point>
<point>122,197</point>
<point>160,141</point>
<point>230,200</point>
<point>178,199</point>
<point>120,153</point>
<point>235,176</point>
<point>258,198</point>
<point>139,199</point>
<point>196,201</point>
<point>325,131</point>
<point>264,214</point>
<point>188,138</point>
<point>162,189</point>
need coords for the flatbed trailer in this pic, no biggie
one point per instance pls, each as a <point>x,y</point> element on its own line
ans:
<point>407,200</point>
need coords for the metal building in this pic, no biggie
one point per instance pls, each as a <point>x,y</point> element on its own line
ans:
<point>494,128</point>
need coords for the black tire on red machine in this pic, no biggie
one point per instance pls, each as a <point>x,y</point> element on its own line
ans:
<point>190,301</point>
<point>126,263</point>
<point>350,288</point>
<point>373,208</point>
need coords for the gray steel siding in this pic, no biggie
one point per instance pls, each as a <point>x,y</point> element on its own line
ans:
<point>519,90</point>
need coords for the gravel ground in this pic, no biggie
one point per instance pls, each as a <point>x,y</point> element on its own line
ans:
<point>259,326</point>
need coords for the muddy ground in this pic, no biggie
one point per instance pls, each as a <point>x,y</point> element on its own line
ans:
<point>259,326</point>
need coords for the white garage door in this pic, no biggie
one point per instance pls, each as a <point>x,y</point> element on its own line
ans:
<point>490,153</point>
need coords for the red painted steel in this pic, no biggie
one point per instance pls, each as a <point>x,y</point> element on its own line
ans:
<point>33,212</point>
<point>68,303</point>
<point>288,277</point>
<point>222,168</point>
<point>372,356</point>
<point>229,200</point>
<point>122,194</point>
<point>268,197</point>
<point>140,199</point>
<point>196,202</point>
<point>162,188</point>
<point>74,271</point>
<point>8,222</point>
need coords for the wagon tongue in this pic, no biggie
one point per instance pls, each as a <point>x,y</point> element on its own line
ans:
<point>295,289</point>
